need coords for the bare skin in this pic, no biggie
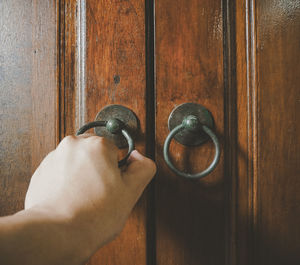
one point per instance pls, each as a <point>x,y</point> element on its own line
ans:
<point>77,201</point>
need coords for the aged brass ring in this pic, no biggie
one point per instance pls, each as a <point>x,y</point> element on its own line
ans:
<point>192,123</point>
<point>114,126</point>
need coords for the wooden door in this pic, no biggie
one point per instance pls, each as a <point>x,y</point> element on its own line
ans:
<point>61,61</point>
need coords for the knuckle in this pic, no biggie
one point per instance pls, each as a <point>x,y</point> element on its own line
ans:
<point>93,142</point>
<point>103,143</point>
<point>68,140</point>
<point>96,144</point>
<point>96,140</point>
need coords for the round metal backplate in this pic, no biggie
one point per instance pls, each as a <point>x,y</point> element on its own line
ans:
<point>123,114</point>
<point>187,137</point>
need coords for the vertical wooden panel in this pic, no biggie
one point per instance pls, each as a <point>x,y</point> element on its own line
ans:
<point>189,68</point>
<point>67,22</point>
<point>104,63</point>
<point>27,94</point>
<point>115,67</point>
<point>278,83</point>
<point>243,185</point>
<point>267,77</point>
<point>230,132</point>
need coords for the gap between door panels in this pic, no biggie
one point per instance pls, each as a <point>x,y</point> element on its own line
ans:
<point>150,125</point>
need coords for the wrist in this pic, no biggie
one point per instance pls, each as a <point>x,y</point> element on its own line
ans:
<point>56,231</point>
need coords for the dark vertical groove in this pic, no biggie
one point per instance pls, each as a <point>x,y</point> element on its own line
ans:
<point>230,123</point>
<point>150,126</point>
<point>60,74</point>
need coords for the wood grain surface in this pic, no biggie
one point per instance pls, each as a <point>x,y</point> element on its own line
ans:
<point>278,132</point>
<point>61,61</point>
<point>27,95</point>
<point>189,68</point>
<point>115,74</point>
<point>264,45</point>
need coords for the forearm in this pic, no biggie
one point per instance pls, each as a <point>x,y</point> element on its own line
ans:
<point>35,237</point>
<point>77,201</point>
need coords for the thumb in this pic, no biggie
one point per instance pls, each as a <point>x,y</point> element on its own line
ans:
<point>139,172</point>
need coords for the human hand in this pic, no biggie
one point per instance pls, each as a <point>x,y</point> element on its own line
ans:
<point>80,182</point>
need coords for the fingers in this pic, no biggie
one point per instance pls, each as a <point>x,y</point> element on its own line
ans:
<point>139,172</point>
<point>103,147</point>
<point>91,143</point>
<point>85,135</point>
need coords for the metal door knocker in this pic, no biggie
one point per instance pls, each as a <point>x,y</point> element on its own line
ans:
<point>190,124</point>
<point>117,123</point>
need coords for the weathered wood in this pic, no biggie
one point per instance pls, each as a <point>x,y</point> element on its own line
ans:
<point>189,68</point>
<point>27,94</point>
<point>265,203</point>
<point>237,58</point>
<point>278,132</point>
<point>103,53</point>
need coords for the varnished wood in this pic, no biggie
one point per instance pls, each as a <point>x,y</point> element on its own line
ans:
<point>278,132</point>
<point>189,68</point>
<point>237,58</point>
<point>243,200</point>
<point>27,94</point>
<point>66,65</point>
<point>264,46</point>
<point>116,75</point>
<point>110,71</point>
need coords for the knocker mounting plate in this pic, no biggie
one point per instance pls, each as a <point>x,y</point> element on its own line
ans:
<point>122,113</point>
<point>187,137</point>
